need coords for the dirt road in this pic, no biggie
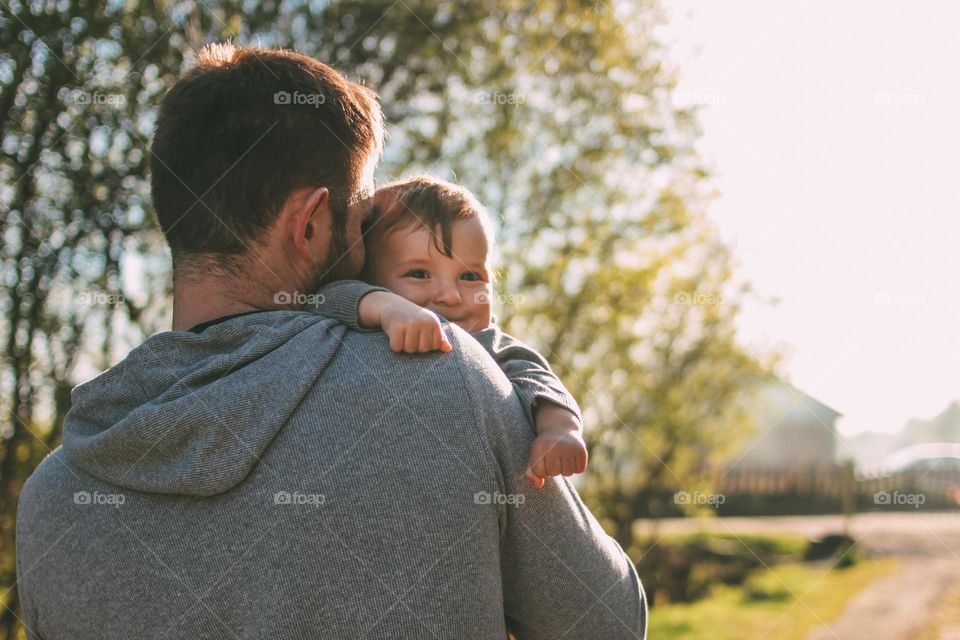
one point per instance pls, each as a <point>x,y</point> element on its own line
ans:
<point>895,607</point>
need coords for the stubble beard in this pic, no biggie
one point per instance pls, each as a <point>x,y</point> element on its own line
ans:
<point>340,261</point>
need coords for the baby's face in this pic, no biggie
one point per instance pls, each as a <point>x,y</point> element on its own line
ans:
<point>407,261</point>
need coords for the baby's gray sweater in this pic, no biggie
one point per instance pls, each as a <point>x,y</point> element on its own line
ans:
<point>281,476</point>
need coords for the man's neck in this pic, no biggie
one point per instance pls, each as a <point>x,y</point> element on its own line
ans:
<point>194,306</point>
<point>197,300</point>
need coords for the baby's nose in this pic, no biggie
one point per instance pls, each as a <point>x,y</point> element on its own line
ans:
<point>448,295</point>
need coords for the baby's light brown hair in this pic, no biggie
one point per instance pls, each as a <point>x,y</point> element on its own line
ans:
<point>432,203</point>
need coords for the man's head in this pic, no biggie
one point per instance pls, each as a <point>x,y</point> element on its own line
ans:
<point>265,155</point>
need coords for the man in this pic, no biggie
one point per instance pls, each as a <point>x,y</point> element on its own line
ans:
<point>265,472</point>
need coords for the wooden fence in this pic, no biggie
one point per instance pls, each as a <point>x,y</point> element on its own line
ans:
<point>835,489</point>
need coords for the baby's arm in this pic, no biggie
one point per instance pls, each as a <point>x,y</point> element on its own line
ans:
<point>411,328</point>
<point>340,300</point>
<point>559,448</point>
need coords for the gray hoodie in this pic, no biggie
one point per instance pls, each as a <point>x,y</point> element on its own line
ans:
<point>280,476</point>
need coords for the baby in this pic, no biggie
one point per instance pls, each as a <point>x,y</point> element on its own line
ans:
<point>428,246</point>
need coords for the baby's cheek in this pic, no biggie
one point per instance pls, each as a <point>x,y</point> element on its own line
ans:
<point>412,290</point>
<point>480,308</point>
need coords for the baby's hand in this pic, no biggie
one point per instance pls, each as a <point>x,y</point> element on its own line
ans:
<point>410,327</point>
<point>559,448</point>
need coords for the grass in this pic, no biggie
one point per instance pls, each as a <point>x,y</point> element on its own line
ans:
<point>782,603</point>
<point>685,568</point>
<point>780,544</point>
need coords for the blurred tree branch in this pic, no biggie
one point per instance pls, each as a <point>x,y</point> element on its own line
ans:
<point>557,114</point>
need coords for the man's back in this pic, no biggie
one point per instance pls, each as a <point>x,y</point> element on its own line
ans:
<point>279,476</point>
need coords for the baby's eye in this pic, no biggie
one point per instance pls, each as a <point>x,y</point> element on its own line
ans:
<point>419,274</point>
<point>472,276</point>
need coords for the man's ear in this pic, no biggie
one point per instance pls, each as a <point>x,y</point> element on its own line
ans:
<point>309,216</point>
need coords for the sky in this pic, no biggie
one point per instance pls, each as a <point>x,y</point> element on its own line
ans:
<point>833,129</point>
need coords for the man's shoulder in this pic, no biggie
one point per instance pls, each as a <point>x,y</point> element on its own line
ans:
<point>53,475</point>
<point>479,366</point>
<point>45,498</point>
<point>466,368</point>
<point>467,354</point>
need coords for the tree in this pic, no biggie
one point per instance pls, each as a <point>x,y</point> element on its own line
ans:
<point>557,114</point>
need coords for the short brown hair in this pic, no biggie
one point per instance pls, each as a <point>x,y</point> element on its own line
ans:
<point>243,129</point>
<point>433,203</point>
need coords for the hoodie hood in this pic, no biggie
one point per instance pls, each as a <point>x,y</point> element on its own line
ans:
<point>192,414</point>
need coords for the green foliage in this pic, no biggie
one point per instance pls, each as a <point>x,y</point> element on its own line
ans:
<point>687,568</point>
<point>557,114</point>
<point>782,602</point>
<point>764,587</point>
